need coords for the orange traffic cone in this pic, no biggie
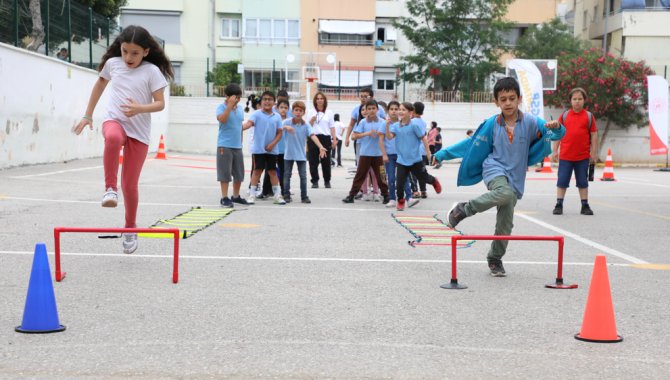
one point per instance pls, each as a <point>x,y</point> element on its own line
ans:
<point>160,155</point>
<point>121,156</point>
<point>599,325</point>
<point>546,166</point>
<point>608,172</point>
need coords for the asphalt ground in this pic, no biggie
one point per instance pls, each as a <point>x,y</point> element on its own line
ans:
<point>330,290</point>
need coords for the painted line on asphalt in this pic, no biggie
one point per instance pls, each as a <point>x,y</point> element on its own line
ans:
<point>583,240</point>
<point>56,172</point>
<point>631,210</point>
<point>311,259</point>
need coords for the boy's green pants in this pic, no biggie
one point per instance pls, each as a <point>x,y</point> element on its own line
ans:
<point>502,196</point>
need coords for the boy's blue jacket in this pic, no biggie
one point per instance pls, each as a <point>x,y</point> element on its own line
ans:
<point>474,150</point>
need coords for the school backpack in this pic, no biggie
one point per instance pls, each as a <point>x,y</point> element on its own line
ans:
<point>590,116</point>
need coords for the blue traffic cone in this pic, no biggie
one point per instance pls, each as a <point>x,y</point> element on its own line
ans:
<point>40,315</point>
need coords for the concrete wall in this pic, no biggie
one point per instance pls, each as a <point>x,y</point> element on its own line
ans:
<point>41,100</point>
<point>193,127</point>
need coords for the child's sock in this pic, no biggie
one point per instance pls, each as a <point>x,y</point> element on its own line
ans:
<point>585,202</point>
<point>276,190</point>
<point>559,201</point>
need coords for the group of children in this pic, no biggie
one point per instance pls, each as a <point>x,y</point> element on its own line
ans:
<point>390,147</point>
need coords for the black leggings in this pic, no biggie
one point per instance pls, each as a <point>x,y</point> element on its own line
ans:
<point>418,170</point>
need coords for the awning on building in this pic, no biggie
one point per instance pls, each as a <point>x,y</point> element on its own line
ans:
<point>346,78</point>
<point>346,27</point>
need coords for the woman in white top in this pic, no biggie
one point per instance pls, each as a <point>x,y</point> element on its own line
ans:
<point>323,124</point>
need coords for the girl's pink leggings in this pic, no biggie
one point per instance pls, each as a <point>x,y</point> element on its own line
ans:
<point>134,154</point>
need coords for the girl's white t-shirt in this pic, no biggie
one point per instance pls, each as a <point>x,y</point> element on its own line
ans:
<point>324,121</point>
<point>137,84</point>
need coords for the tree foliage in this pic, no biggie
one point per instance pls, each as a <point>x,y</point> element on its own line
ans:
<point>616,88</point>
<point>548,40</point>
<point>453,36</point>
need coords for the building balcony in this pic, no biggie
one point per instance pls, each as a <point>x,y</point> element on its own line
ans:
<point>633,22</point>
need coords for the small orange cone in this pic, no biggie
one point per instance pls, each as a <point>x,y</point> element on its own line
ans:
<point>599,325</point>
<point>608,172</point>
<point>546,166</point>
<point>121,156</point>
<point>160,155</point>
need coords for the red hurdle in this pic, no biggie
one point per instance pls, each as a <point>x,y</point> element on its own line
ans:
<point>174,231</point>
<point>559,275</point>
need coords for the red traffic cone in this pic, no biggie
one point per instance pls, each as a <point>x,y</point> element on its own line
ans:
<point>546,166</point>
<point>608,172</point>
<point>160,155</point>
<point>599,325</point>
<point>121,156</point>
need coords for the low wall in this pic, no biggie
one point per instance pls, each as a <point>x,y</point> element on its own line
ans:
<point>41,100</point>
<point>193,127</point>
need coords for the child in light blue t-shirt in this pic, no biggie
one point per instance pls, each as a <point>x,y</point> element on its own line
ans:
<point>409,136</point>
<point>296,133</point>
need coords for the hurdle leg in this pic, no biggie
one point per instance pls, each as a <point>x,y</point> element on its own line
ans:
<point>58,274</point>
<point>453,284</point>
<point>559,273</point>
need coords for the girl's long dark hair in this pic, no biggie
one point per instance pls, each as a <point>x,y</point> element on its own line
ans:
<point>141,37</point>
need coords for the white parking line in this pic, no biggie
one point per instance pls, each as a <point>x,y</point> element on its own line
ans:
<point>56,172</point>
<point>312,259</point>
<point>583,240</point>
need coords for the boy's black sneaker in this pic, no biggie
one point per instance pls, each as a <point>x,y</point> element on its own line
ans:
<point>424,194</point>
<point>305,200</point>
<point>240,200</point>
<point>348,199</point>
<point>287,198</point>
<point>558,210</point>
<point>226,203</point>
<point>496,268</point>
<point>586,210</point>
<point>456,214</point>
<point>315,185</point>
<point>327,185</point>
<point>386,200</point>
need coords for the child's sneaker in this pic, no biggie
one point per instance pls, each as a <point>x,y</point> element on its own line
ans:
<point>305,200</point>
<point>496,268</point>
<point>359,195</point>
<point>401,205</point>
<point>376,197</point>
<point>558,210</point>
<point>391,203</point>
<point>287,198</point>
<point>437,186</point>
<point>251,199</point>
<point>386,199</point>
<point>586,210</point>
<point>129,243</point>
<point>424,195</point>
<point>226,202</point>
<point>348,199</point>
<point>368,197</point>
<point>110,199</point>
<point>411,202</point>
<point>456,214</point>
<point>279,200</point>
<point>240,200</point>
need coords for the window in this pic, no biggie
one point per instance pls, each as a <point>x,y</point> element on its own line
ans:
<point>272,31</point>
<point>585,20</point>
<point>344,39</point>
<point>162,24</point>
<point>230,28</point>
<point>385,84</point>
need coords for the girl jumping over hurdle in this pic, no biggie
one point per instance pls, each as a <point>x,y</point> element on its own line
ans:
<point>138,70</point>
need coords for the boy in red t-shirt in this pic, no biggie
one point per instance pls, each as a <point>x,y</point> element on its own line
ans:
<point>577,149</point>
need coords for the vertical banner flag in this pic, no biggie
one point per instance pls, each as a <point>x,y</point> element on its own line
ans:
<point>658,114</point>
<point>530,81</point>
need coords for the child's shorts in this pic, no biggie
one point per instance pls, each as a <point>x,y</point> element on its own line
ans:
<point>581,170</point>
<point>229,164</point>
<point>265,161</point>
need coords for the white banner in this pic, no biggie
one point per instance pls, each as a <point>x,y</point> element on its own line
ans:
<point>530,81</point>
<point>658,114</point>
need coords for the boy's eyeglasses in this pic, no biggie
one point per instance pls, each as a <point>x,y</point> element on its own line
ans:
<point>268,99</point>
<point>364,97</point>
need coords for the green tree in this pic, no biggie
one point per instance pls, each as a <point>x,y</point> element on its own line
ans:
<point>107,8</point>
<point>224,73</point>
<point>548,40</point>
<point>461,38</point>
<point>616,88</point>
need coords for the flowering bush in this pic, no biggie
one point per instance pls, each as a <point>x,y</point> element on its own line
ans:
<point>616,88</point>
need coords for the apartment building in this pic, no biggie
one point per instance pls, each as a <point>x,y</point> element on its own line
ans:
<point>632,29</point>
